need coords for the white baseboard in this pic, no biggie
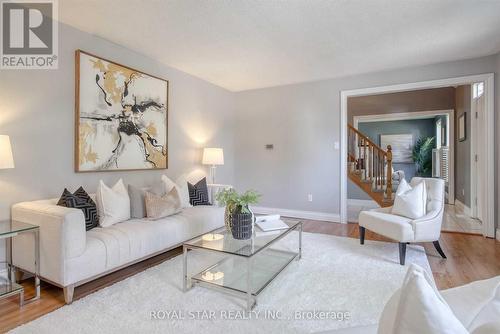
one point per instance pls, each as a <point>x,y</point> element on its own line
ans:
<point>313,215</point>
<point>362,202</point>
<point>463,207</point>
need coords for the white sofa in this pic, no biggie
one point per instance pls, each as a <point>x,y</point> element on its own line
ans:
<point>70,256</point>
<point>465,301</point>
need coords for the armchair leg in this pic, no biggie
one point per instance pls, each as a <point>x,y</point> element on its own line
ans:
<point>402,253</point>
<point>362,235</point>
<point>438,248</point>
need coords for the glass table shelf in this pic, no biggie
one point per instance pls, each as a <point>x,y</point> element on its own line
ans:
<point>230,273</point>
<point>13,227</point>
<point>8,288</point>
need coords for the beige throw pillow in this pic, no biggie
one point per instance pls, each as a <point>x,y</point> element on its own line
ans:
<point>162,206</point>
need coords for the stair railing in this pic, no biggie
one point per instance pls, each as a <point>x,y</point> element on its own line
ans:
<point>372,163</point>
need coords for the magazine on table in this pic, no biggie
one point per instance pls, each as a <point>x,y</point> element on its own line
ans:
<point>270,223</point>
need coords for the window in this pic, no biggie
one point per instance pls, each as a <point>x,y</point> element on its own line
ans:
<point>478,90</point>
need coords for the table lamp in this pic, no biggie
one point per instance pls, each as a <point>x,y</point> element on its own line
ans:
<point>213,156</point>
<point>6,159</point>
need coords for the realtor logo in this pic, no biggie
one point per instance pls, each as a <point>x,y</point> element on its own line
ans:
<point>29,34</point>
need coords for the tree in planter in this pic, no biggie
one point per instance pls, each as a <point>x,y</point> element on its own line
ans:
<point>422,155</point>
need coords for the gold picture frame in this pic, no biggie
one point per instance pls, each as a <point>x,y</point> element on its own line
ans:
<point>121,117</point>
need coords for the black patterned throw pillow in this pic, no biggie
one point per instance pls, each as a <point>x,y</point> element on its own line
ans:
<point>81,200</point>
<point>198,193</point>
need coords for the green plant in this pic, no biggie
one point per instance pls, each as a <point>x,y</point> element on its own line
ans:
<point>237,203</point>
<point>422,155</point>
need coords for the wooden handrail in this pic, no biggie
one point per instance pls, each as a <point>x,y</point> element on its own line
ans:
<point>353,129</point>
<point>371,165</point>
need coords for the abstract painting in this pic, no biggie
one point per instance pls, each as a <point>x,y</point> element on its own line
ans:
<point>121,117</point>
<point>402,146</point>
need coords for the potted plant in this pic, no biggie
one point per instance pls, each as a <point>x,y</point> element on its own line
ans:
<point>422,155</point>
<point>238,218</point>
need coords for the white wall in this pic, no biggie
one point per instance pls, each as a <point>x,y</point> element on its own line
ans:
<point>37,111</point>
<point>303,122</point>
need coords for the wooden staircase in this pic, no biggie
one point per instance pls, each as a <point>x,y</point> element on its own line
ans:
<point>370,167</point>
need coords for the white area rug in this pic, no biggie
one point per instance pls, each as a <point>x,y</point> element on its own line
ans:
<point>335,274</point>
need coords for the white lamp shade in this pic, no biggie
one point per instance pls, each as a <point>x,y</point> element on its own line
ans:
<point>213,156</point>
<point>6,159</point>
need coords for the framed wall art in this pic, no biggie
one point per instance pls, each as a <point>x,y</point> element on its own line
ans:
<point>402,146</point>
<point>121,117</point>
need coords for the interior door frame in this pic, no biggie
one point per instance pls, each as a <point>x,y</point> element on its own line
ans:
<point>488,169</point>
<point>476,195</point>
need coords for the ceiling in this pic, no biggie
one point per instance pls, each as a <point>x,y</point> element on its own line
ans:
<point>247,44</point>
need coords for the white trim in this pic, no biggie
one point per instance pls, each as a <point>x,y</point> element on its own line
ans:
<point>422,115</point>
<point>313,215</point>
<point>461,206</point>
<point>362,202</point>
<point>398,116</point>
<point>489,147</point>
<point>343,156</point>
<point>472,136</point>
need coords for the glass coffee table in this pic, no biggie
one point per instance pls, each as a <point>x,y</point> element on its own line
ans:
<point>246,267</point>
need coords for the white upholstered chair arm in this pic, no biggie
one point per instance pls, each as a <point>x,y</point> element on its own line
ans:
<point>383,210</point>
<point>62,230</point>
<point>428,227</point>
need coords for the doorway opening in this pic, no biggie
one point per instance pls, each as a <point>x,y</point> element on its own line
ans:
<point>474,150</point>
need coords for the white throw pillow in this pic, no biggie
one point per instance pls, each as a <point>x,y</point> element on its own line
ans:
<point>418,308</point>
<point>182,188</point>
<point>403,187</point>
<point>410,202</point>
<point>113,203</point>
<point>489,312</point>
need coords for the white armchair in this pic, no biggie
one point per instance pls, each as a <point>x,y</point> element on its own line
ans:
<point>406,230</point>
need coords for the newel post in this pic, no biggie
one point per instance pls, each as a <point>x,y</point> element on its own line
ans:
<point>389,173</point>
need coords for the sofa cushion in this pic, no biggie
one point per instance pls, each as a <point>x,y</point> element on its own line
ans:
<point>489,312</point>
<point>198,193</point>
<point>162,206</point>
<point>137,202</point>
<point>135,239</point>
<point>113,203</point>
<point>466,301</point>
<point>392,226</point>
<point>410,202</point>
<point>419,308</point>
<point>492,327</point>
<point>182,187</point>
<point>81,200</point>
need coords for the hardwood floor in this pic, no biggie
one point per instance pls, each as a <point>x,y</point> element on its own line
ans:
<point>470,258</point>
